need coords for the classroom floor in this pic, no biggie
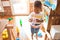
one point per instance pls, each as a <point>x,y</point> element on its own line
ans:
<point>25,30</point>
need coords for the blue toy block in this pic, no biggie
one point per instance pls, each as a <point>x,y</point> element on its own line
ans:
<point>17,38</point>
<point>39,34</point>
<point>48,3</point>
<point>53,6</point>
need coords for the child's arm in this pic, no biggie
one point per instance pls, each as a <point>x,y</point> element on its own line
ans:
<point>30,17</point>
<point>37,20</point>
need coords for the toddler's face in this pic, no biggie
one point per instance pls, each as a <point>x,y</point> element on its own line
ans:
<point>37,10</point>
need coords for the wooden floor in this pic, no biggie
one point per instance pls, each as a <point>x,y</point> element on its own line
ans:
<point>25,30</point>
<point>5,39</point>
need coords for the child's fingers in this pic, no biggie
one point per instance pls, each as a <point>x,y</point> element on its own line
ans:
<point>42,28</point>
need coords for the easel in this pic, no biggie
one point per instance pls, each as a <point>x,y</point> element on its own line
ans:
<point>54,17</point>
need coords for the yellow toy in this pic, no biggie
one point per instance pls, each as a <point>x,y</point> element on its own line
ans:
<point>5,34</point>
<point>18,33</point>
<point>17,29</point>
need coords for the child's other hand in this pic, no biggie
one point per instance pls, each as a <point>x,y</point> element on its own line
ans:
<point>42,28</point>
<point>30,20</point>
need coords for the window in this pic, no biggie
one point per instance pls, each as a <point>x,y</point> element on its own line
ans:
<point>20,7</point>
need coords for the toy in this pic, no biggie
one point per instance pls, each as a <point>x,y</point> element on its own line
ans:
<point>39,34</point>
<point>5,34</point>
<point>17,29</point>
<point>48,3</point>
<point>20,22</point>
<point>10,19</point>
<point>18,33</point>
<point>17,38</point>
<point>51,3</point>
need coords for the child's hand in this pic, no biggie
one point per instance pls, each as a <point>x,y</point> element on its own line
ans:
<point>39,20</point>
<point>42,28</point>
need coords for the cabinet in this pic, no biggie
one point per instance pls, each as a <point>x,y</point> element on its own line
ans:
<point>6,7</point>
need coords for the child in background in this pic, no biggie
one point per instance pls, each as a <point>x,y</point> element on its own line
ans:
<point>36,18</point>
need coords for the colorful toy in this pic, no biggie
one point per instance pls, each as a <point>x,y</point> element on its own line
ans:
<point>17,29</point>
<point>18,33</point>
<point>10,19</point>
<point>5,34</point>
<point>48,3</point>
<point>53,6</point>
<point>20,22</point>
<point>51,3</point>
<point>17,38</point>
<point>39,34</point>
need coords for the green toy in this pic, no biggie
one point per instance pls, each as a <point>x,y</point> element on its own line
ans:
<point>10,19</point>
<point>20,22</point>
